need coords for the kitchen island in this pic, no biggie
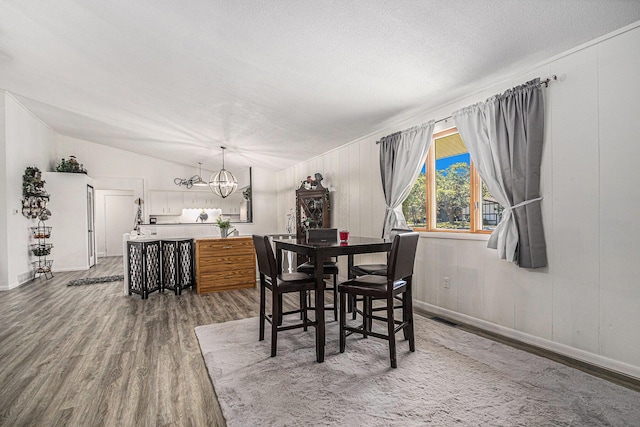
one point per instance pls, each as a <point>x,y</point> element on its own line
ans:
<point>225,264</point>
<point>221,264</point>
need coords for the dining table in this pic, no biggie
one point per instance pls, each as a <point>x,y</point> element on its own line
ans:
<point>318,252</point>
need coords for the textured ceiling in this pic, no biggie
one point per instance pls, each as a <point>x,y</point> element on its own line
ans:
<point>275,81</point>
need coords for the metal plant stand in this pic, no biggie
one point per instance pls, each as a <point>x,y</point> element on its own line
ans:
<point>41,249</point>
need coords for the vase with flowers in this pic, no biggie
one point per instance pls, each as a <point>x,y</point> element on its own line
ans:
<point>225,226</point>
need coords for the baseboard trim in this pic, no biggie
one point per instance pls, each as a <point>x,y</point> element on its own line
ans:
<point>66,269</point>
<point>29,277</point>
<point>615,367</point>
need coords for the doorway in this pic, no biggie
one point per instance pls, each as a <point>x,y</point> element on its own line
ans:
<point>91,225</point>
<point>115,215</point>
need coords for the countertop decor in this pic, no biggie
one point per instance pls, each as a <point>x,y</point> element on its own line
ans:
<point>225,226</point>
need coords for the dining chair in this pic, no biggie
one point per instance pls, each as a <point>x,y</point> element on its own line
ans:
<point>398,281</point>
<point>279,284</point>
<point>330,267</point>
<point>377,269</point>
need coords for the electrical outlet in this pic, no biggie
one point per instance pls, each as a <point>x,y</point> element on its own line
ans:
<point>447,282</point>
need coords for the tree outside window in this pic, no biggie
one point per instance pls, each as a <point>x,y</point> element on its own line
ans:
<point>449,195</point>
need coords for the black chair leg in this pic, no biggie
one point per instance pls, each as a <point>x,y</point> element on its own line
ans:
<point>343,321</point>
<point>335,297</point>
<point>392,335</point>
<point>371,300</point>
<point>353,300</point>
<point>279,318</point>
<point>262,311</point>
<point>303,307</point>
<point>275,317</point>
<point>407,302</point>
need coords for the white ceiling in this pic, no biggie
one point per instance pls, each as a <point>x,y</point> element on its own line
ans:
<point>275,81</point>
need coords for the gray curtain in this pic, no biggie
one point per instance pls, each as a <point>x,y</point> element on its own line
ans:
<point>402,155</point>
<point>504,136</point>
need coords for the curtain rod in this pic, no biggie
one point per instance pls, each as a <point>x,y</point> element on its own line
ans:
<point>545,82</point>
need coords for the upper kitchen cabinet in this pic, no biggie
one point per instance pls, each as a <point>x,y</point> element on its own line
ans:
<point>230,205</point>
<point>165,202</point>
<point>199,199</point>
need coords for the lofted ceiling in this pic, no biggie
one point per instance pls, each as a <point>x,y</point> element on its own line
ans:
<point>275,81</point>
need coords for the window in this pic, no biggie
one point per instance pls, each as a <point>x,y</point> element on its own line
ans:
<point>449,194</point>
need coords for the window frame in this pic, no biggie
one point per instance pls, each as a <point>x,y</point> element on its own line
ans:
<point>475,190</point>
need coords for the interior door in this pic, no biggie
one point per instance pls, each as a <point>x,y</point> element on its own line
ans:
<point>119,219</point>
<point>91,225</point>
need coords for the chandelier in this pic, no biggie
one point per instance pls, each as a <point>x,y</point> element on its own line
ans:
<point>223,183</point>
<point>194,180</point>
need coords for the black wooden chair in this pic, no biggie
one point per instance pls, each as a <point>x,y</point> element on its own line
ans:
<point>377,269</point>
<point>279,285</point>
<point>397,282</point>
<point>330,267</point>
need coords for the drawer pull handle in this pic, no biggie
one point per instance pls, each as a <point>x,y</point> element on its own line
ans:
<point>227,247</point>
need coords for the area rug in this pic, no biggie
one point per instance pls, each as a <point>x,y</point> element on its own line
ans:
<point>453,378</point>
<point>92,280</point>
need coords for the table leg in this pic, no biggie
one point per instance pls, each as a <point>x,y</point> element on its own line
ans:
<point>350,275</point>
<point>278,259</point>
<point>319,275</point>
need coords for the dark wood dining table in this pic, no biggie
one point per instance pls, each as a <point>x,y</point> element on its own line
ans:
<point>319,252</point>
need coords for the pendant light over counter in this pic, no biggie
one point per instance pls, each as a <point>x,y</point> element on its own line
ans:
<point>194,180</point>
<point>198,181</point>
<point>223,183</point>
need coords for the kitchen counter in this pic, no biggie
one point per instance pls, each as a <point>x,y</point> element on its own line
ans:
<point>178,223</point>
<point>175,230</point>
<point>221,264</point>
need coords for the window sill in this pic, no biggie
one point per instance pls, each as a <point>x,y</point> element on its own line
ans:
<point>456,236</point>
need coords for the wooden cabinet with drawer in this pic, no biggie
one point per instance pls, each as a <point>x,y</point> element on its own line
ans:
<point>225,264</point>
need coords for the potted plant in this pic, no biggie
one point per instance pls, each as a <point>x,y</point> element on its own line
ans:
<point>71,166</point>
<point>246,193</point>
<point>225,225</point>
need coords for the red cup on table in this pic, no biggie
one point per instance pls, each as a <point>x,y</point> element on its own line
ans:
<point>344,235</point>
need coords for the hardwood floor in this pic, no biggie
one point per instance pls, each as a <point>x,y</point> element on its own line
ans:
<point>90,356</point>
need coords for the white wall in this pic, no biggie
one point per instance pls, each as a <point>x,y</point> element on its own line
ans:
<point>4,208</point>
<point>27,142</point>
<point>585,303</point>
<point>69,220</point>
